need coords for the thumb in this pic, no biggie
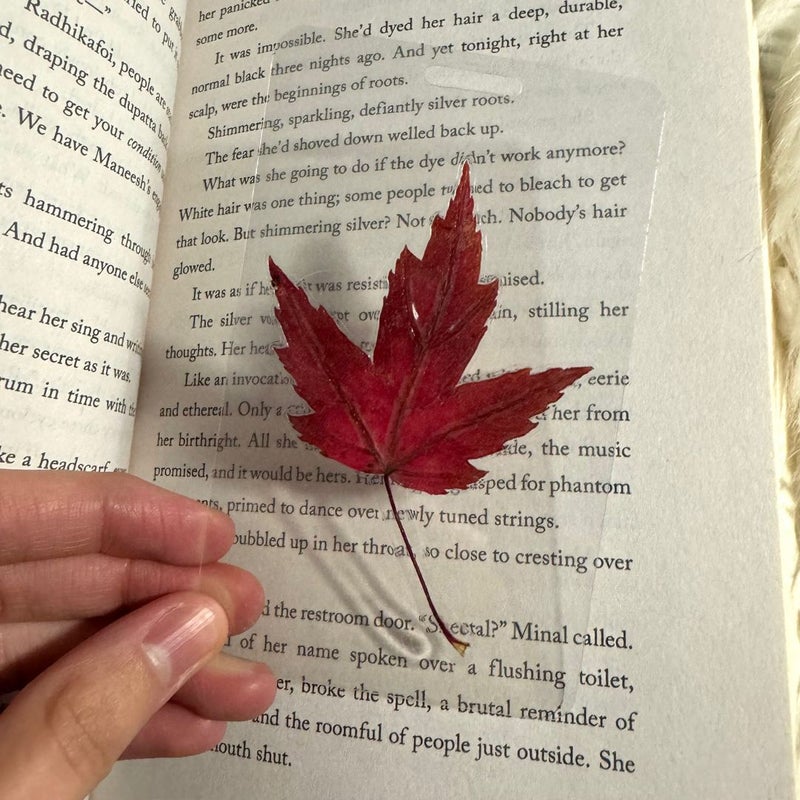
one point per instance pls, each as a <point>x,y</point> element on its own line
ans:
<point>62,734</point>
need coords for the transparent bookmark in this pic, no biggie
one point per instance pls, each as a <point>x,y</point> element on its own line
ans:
<point>360,148</point>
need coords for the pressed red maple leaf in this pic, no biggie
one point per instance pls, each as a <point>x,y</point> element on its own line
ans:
<point>403,413</point>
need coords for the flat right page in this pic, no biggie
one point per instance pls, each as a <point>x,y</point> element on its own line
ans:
<point>692,684</point>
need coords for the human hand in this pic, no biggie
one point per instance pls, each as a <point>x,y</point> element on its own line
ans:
<point>112,631</point>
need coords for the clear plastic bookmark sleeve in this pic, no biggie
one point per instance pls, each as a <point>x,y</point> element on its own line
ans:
<point>361,144</point>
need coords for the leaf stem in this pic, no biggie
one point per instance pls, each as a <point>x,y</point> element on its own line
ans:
<point>460,646</point>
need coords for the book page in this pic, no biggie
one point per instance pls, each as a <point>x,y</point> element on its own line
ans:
<point>88,90</point>
<point>684,668</point>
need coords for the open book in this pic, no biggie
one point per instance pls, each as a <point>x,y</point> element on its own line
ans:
<point>618,572</point>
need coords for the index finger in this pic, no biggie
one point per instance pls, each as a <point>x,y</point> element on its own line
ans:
<point>56,514</point>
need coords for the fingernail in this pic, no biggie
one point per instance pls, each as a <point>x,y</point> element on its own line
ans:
<point>213,517</point>
<point>179,641</point>
<point>236,665</point>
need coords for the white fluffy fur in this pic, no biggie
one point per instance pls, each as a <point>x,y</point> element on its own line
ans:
<point>778,25</point>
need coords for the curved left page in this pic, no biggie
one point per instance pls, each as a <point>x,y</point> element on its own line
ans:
<point>87,94</point>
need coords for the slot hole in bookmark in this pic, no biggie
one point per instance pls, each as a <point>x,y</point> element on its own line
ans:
<point>473,81</point>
